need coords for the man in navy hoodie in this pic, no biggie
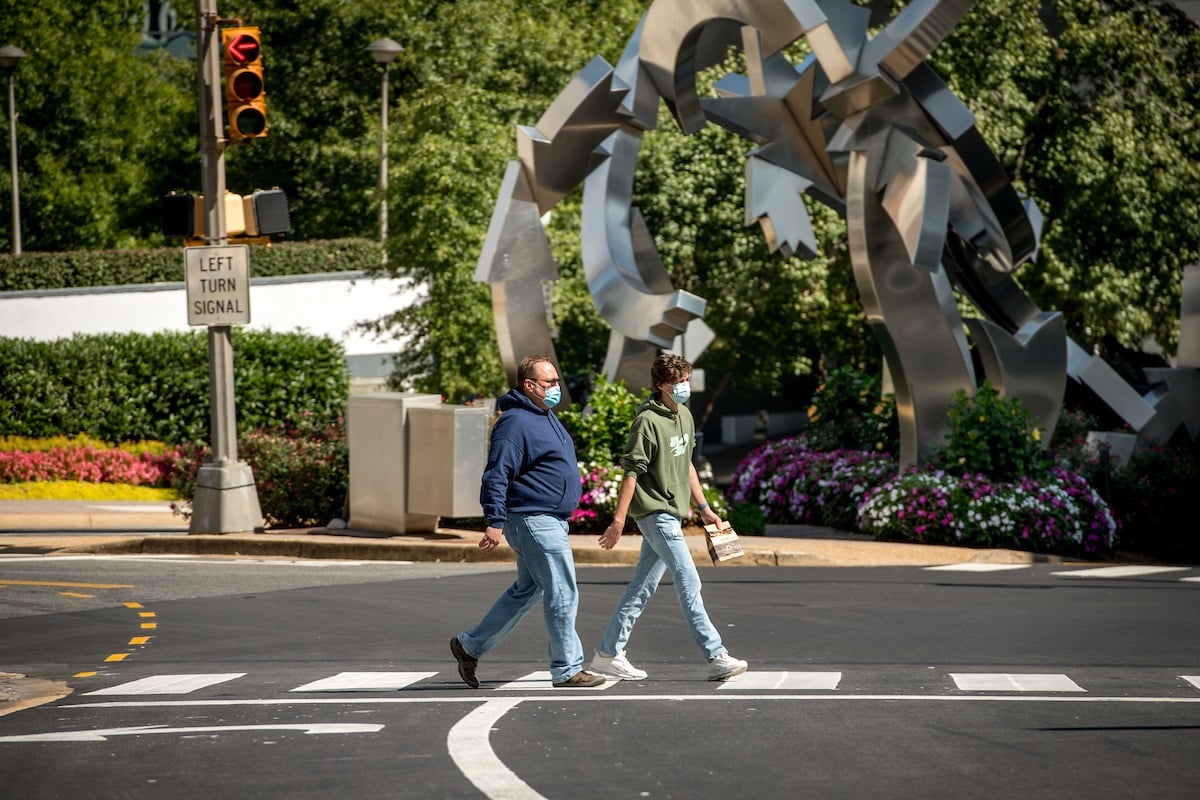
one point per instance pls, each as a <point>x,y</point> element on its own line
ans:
<point>530,487</point>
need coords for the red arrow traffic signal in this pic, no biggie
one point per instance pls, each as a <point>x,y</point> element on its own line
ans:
<point>243,48</point>
<point>245,96</point>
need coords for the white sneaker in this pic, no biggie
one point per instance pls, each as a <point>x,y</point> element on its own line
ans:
<point>725,666</point>
<point>617,666</point>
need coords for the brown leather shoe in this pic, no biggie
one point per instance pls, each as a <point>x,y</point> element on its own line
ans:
<point>466,663</point>
<point>581,680</point>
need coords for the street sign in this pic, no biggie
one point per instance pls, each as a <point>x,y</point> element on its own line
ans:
<point>218,284</point>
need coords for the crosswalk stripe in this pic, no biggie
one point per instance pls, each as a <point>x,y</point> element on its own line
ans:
<point>365,682</point>
<point>541,680</point>
<point>1130,571</point>
<point>795,681</point>
<point>762,680</point>
<point>972,566</point>
<point>1007,682</point>
<point>170,684</point>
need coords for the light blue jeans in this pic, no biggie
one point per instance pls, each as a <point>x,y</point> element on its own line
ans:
<point>545,571</point>
<point>663,548</point>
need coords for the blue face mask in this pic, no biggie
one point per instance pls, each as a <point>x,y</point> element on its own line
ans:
<point>682,392</point>
<point>553,395</point>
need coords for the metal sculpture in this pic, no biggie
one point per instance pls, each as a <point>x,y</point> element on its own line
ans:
<point>862,125</point>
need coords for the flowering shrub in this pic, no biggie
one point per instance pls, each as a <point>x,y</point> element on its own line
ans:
<point>793,483</point>
<point>27,444</point>
<point>301,472</point>
<point>601,483</point>
<point>1058,513</point>
<point>599,500</point>
<point>90,462</point>
<point>1155,496</point>
<point>992,435</point>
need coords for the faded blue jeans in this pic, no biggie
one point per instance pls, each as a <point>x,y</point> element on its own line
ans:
<point>545,571</point>
<point>663,548</point>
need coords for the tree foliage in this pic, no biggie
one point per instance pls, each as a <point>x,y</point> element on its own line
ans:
<point>103,132</point>
<point>1091,106</point>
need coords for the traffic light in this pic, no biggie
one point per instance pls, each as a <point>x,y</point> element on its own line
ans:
<point>266,212</point>
<point>245,96</point>
<point>179,216</point>
<point>253,217</point>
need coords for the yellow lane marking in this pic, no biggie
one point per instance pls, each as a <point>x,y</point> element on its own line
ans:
<point>117,657</point>
<point>133,605</point>
<point>85,674</point>
<point>147,614</point>
<point>139,640</point>
<point>76,594</point>
<point>69,585</point>
<point>149,626</point>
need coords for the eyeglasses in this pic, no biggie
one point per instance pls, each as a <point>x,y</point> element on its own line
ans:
<point>546,384</point>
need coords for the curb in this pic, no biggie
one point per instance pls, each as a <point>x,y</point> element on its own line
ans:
<point>459,547</point>
<point>17,692</point>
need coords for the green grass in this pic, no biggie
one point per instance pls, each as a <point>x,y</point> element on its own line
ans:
<point>82,490</point>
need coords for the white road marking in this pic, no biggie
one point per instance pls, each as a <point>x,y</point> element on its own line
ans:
<point>972,566</point>
<point>1194,680</point>
<point>1130,571</point>
<point>538,681</point>
<point>792,681</point>
<point>469,746</point>
<point>365,682</point>
<point>312,729</point>
<point>1005,682</point>
<point>576,696</point>
<point>170,684</point>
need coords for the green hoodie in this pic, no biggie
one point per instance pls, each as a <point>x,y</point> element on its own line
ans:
<point>659,452</point>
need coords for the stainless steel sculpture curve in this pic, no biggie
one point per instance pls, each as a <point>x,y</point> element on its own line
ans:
<point>862,125</point>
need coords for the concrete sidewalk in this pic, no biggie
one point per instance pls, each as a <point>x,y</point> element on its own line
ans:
<point>75,527</point>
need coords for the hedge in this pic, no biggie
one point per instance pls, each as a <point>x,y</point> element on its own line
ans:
<point>84,268</point>
<point>126,387</point>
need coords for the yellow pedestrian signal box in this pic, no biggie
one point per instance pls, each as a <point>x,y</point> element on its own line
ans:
<point>245,92</point>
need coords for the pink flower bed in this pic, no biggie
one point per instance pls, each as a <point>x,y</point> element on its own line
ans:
<point>91,464</point>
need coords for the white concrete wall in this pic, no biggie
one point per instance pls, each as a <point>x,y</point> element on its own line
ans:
<point>324,305</point>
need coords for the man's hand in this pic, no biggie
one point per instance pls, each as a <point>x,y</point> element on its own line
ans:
<point>611,535</point>
<point>491,539</point>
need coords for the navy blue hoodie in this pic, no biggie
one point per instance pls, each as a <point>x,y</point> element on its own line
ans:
<point>531,466</point>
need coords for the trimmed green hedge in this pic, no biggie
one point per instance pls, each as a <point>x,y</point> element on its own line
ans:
<point>126,387</point>
<point>72,270</point>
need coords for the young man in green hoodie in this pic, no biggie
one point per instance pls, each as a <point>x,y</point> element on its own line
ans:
<point>659,480</point>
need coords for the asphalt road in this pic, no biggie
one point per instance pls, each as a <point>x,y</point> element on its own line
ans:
<point>244,679</point>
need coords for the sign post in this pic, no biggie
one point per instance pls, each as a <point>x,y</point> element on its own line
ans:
<point>218,283</point>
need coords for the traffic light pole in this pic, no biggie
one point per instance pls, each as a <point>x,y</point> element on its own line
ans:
<point>226,498</point>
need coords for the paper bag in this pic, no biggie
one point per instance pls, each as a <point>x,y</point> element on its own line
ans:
<point>723,543</point>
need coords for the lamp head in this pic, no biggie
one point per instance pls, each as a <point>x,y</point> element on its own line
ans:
<point>385,50</point>
<point>10,55</point>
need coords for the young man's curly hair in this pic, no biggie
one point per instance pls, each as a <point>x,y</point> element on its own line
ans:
<point>669,369</point>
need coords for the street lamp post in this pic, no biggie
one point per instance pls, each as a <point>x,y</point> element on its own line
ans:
<point>384,51</point>
<point>10,56</point>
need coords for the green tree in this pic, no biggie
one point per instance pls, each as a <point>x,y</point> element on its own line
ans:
<point>474,71</point>
<point>103,132</point>
<point>1093,106</point>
